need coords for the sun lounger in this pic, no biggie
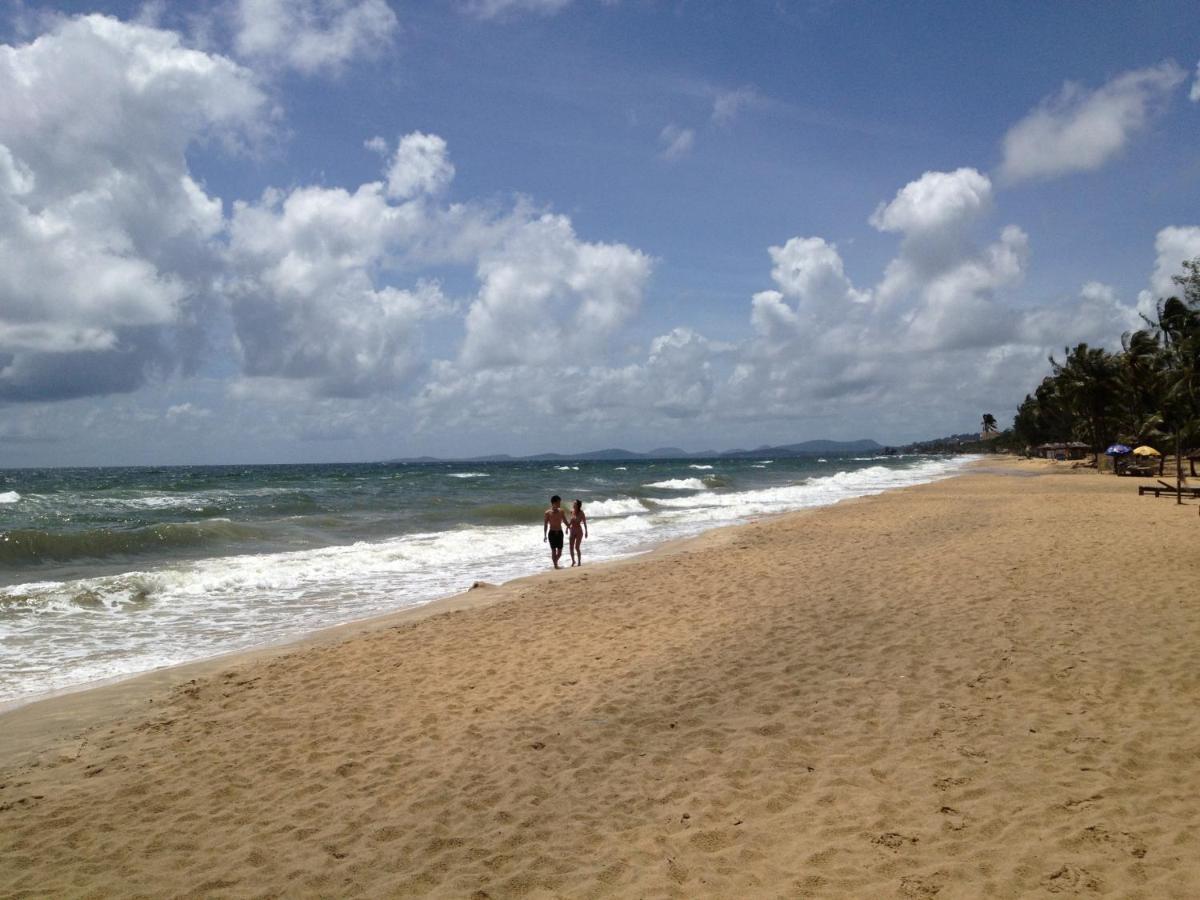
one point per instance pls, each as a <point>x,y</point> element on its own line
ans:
<point>1169,489</point>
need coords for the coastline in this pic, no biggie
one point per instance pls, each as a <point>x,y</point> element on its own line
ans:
<point>57,713</point>
<point>32,726</point>
<point>977,686</point>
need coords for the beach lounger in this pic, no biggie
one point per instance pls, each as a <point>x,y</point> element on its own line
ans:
<point>1169,489</point>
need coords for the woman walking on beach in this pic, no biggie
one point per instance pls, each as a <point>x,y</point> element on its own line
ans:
<point>578,529</point>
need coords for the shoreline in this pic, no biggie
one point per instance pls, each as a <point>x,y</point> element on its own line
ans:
<point>58,716</point>
<point>982,686</point>
<point>92,702</point>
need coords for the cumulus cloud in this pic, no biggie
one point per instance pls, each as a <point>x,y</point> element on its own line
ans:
<point>941,331</point>
<point>808,272</point>
<point>936,215</point>
<point>1079,130</point>
<point>495,9</point>
<point>305,300</point>
<point>108,240</point>
<point>547,296</point>
<point>312,35</point>
<point>315,303</point>
<point>419,166</point>
<point>949,340</point>
<point>676,142</point>
<point>937,202</point>
<point>1172,246</point>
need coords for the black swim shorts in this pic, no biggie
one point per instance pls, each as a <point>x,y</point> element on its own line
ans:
<point>555,540</point>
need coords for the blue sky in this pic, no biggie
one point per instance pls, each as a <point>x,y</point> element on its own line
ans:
<point>260,231</point>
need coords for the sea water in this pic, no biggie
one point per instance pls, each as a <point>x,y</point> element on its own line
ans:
<point>110,572</point>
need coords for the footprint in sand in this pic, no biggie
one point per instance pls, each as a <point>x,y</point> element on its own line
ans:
<point>893,840</point>
<point>1070,879</point>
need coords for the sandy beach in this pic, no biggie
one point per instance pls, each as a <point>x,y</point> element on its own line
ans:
<point>986,686</point>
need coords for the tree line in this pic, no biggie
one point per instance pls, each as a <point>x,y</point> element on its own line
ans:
<point>1146,393</point>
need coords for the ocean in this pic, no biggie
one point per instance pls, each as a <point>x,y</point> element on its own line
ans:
<point>108,572</point>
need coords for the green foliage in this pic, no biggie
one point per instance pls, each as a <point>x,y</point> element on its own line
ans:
<point>1148,393</point>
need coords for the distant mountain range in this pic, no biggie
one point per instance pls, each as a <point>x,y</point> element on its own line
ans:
<point>805,448</point>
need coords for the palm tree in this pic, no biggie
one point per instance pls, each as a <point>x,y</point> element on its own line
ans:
<point>989,424</point>
<point>1088,378</point>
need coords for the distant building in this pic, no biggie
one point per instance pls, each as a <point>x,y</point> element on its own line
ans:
<point>1067,450</point>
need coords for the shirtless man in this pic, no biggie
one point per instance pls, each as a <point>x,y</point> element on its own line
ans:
<point>552,528</point>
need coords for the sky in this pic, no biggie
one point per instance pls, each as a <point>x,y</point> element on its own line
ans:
<point>246,231</point>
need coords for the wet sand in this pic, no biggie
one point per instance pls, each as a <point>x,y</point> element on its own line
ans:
<point>987,686</point>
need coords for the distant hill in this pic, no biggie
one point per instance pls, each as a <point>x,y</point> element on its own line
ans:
<point>805,448</point>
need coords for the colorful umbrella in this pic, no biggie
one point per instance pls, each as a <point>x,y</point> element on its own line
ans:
<point>1145,450</point>
<point>1116,450</point>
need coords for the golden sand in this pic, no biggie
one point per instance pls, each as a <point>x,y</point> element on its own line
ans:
<point>988,686</point>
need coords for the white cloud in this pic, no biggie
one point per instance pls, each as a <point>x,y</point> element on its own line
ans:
<point>935,202</point>
<point>957,308</point>
<point>313,305</point>
<point>305,299</point>
<point>547,297</point>
<point>108,241</point>
<point>313,35</point>
<point>676,142</point>
<point>495,9</point>
<point>1172,246</point>
<point>727,105</point>
<point>1078,130</point>
<point>809,272</point>
<point>1194,96</point>
<point>935,215</point>
<point>419,166</point>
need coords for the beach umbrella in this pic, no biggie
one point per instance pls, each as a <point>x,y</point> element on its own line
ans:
<point>1116,450</point>
<point>1145,450</point>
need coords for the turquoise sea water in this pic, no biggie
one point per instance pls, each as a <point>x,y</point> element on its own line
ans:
<point>109,572</point>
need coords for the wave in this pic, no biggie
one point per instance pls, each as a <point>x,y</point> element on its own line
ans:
<point>468,475</point>
<point>9,497</point>
<point>31,545</point>
<point>820,491</point>
<point>678,484</point>
<point>567,468</point>
<point>507,512</point>
<point>702,468</point>
<point>621,506</point>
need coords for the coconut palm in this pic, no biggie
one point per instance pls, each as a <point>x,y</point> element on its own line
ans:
<point>988,424</point>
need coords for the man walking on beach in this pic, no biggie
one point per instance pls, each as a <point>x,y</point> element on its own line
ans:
<point>552,528</point>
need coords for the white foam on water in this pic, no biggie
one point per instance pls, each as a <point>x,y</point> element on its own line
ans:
<point>9,497</point>
<point>567,468</point>
<point>678,484</point>
<point>620,506</point>
<point>60,634</point>
<point>468,475</point>
<point>702,468</point>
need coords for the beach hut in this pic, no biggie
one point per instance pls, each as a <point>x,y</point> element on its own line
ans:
<point>1062,450</point>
